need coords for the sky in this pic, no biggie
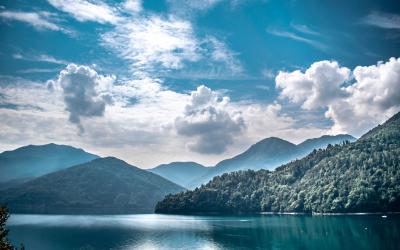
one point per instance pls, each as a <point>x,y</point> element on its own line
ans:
<point>153,82</point>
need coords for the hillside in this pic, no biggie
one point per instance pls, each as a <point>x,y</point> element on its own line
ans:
<point>269,154</point>
<point>363,176</point>
<point>36,160</point>
<point>181,173</point>
<point>309,145</point>
<point>102,186</point>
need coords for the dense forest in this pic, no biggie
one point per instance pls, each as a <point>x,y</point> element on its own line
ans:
<point>363,176</point>
<point>102,186</point>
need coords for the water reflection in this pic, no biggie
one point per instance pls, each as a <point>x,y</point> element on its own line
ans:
<point>205,232</point>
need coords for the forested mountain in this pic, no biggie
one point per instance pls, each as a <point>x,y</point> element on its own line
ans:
<point>181,173</point>
<point>363,176</point>
<point>269,154</point>
<point>102,186</point>
<point>309,145</point>
<point>34,160</point>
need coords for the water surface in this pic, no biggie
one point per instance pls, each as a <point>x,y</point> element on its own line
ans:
<point>150,231</point>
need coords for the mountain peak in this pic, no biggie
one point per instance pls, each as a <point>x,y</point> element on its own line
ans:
<point>272,141</point>
<point>182,173</point>
<point>35,160</point>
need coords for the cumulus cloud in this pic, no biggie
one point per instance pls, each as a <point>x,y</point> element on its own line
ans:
<point>42,20</point>
<point>206,120</point>
<point>134,132</point>
<point>316,87</point>
<point>371,98</point>
<point>81,87</point>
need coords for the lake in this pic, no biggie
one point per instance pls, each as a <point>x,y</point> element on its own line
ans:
<point>151,231</point>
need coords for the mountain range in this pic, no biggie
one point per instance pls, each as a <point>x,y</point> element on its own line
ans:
<point>362,176</point>
<point>55,178</point>
<point>31,161</point>
<point>267,154</point>
<point>101,186</point>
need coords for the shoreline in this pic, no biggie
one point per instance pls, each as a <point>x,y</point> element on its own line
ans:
<point>329,214</point>
<point>221,214</point>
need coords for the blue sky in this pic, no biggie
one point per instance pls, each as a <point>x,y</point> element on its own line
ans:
<point>194,80</point>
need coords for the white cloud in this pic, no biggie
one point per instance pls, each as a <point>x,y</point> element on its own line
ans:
<point>40,58</point>
<point>207,121</point>
<point>155,45</point>
<point>39,20</point>
<point>382,20</point>
<point>154,41</point>
<point>221,53</point>
<point>293,36</point>
<point>304,29</point>
<point>37,70</point>
<point>133,6</point>
<point>83,10</point>
<point>81,87</point>
<point>142,120</point>
<point>318,86</point>
<point>371,99</point>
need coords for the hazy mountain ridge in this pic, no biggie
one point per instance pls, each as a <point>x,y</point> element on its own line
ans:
<point>181,173</point>
<point>362,176</point>
<point>104,185</point>
<point>36,160</point>
<point>268,154</point>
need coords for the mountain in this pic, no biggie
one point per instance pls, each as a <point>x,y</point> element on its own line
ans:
<point>35,160</point>
<point>268,154</point>
<point>363,176</point>
<point>181,173</point>
<point>102,186</point>
<point>309,145</point>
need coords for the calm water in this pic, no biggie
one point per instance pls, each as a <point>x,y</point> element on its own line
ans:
<point>205,232</point>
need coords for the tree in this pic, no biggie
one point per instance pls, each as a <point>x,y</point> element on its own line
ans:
<point>4,243</point>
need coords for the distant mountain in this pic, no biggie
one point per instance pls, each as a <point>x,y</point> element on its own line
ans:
<point>268,154</point>
<point>102,186</point>
<point>363,176</point>
<point>181,173</point>
<point>321,142</point>
<point>35,160</point>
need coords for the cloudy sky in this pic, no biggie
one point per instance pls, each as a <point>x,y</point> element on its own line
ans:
<point>157,81</point>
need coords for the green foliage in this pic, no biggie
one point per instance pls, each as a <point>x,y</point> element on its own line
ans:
<point>102,186</point>
<point>268,154</point>
<point>4,243</point>
<point>363,176</point>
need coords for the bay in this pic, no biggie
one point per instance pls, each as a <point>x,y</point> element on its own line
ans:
<point>152,231</point>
